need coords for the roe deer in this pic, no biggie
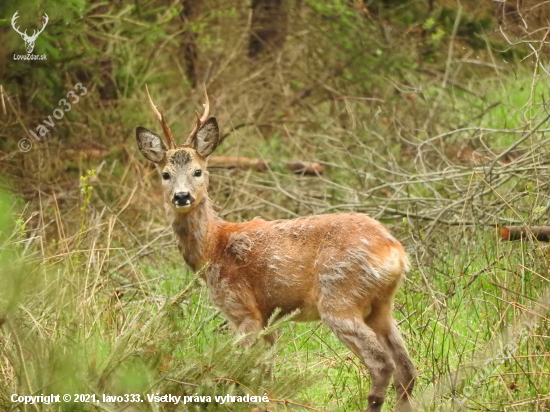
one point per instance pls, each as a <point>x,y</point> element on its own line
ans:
<point>343,269</point>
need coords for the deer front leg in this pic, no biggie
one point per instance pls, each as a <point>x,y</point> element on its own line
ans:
<point>243,312</point>
<point>251,327</point>
<point>248,328</point>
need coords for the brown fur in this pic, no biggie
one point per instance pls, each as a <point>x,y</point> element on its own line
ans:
<point>343,269</point>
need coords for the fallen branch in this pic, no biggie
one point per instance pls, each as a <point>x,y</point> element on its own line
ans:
<point>541,233</point>
<point>232,162</point>
<point>236,162</point>
<point>310,169</point>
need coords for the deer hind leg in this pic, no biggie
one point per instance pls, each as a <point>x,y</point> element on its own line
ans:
<point>404,375</point>
<point>364,342</point>
<point>405,372</point>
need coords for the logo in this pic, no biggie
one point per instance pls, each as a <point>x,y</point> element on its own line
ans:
<point>29,40</point>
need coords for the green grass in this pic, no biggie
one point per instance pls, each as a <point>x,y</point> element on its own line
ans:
<point>74,325</point>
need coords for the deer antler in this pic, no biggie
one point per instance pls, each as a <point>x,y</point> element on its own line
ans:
<point>35,33</point>
<point>162,121</point>
<point>200,120</point>
<point>15,17</point>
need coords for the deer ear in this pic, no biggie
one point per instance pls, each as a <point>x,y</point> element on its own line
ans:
<point>150,145</point>
<point>207,138</point>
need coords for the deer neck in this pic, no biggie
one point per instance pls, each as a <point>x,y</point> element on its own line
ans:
<point>196,233</point>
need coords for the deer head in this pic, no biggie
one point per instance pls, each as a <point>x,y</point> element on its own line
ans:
<point>29,40</point>
<point>183,169</point>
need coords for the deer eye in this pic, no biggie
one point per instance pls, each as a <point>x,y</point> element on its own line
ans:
<point>165,176</point>
<point>198,172</point>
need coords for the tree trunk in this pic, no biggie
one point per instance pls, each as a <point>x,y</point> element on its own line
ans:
<point>269,20</point>
<point>188,43</point>
<point>107,87</point>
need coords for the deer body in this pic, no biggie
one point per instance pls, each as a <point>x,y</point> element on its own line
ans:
<point>274,265</point>
<point>343,269</point>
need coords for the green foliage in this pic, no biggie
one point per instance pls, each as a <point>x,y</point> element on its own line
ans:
<point>82,41</point>
<point>348,40</point>
<point>68,333</point>
<point>86,189</point>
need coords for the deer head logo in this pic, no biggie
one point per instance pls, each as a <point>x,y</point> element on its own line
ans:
<point>29,40</point>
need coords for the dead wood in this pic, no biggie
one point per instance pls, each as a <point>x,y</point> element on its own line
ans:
<point>232,162</point>
<point>541,233</point>
<point>306,168</point>
<point>238,162</point>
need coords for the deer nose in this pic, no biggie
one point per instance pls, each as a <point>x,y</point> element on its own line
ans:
<point>182,199</point>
